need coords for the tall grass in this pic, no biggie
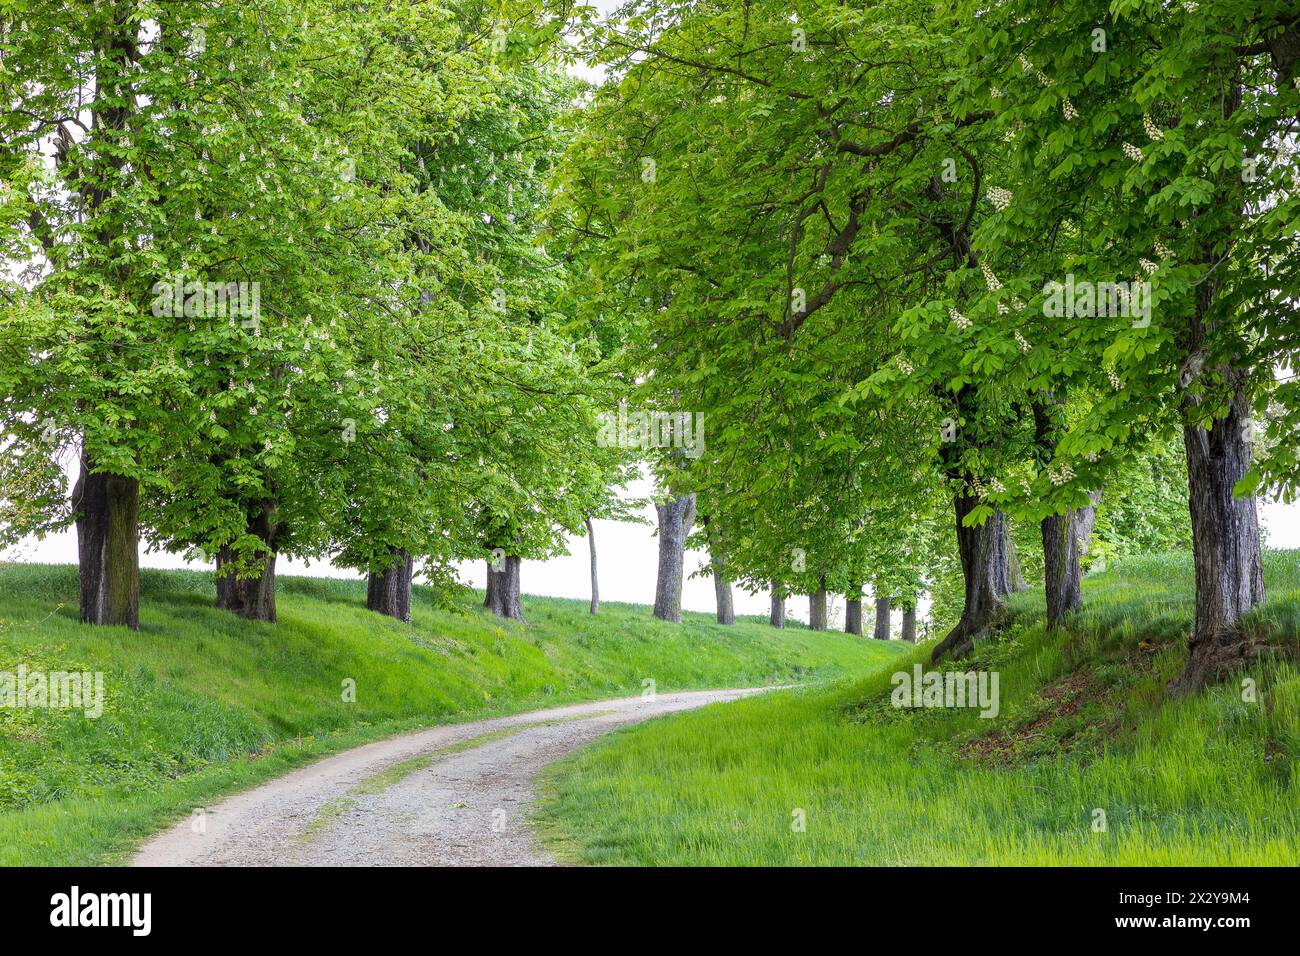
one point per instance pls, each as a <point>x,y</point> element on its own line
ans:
<point>1089,762</point>
<point>200,702</point>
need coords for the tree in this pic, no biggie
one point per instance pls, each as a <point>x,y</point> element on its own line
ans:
<point>1153,131</point>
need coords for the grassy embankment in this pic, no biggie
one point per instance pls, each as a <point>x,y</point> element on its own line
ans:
<point>1085,729</point>
<point>200,703</point>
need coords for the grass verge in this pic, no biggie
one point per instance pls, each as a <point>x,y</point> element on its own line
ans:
<point>1088,762</point>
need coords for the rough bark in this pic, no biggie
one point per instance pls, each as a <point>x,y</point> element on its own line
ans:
<point>1065,541</point>
<point>1015,576</point>
<point>108,550</point>
<point>853,615</point>
<point>777,617</point>
<point>721,583</point>
<point>1225,549</point>
<point>983,554</point>
<point>251,597</point>
<point>722,592</point>
<point>676,516</point>
<point>595,587</point>
<point>504,597</point>
<point>817,607</point>
<point>389,591</point>
<point>1225,529</point>
<point>882,617</point>
<point>909,622</point>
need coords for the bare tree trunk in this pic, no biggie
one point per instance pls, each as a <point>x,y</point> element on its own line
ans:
<point>676,516</point>
<point>983,553</point>
<point>1225,549</point>
<point>389,591</point>
<point>722,593</point>
<point>595,588</point>
<point>721,584</point>
<point>777,617</point>
<point>251,597</point>
<point>817,607</point>
<point>108,551</point>
<point>1065,541</point>
<point>882,617</point>
<point>909,621</point>
<point>504,597</point>
<point>1015,576</point>
<point>853,613</point>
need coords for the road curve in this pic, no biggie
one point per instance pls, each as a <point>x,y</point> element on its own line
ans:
<point>454,795</point>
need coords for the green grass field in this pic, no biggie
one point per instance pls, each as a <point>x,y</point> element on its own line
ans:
<point>1085,726</point>
<point>200,703</point>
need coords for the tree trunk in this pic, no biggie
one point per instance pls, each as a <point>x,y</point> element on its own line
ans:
<point>722,592</point>
<point>1015,576</point>
<point>250,597</point>
<point>489,599</point>
<point>1065,542</point>
<point>1225,549</point>
<point>503,589</point>
<point>882,618</point>
<point>984,570</point>
<point>591,545</point>
<point>909,622</point>
<point>853,615</point>
<point>721,584</point>
<point>108,551</point>
<point>817,607</point>
<point>676,515</point>
<point>777,617</point>
<point>389,591</point>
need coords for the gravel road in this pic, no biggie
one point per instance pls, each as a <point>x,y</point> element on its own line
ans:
<point>455,795</point>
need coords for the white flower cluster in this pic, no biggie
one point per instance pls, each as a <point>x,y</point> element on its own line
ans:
<point>996,93</point>
<point>904,365</point>
<point>989,278</point>
<point>1002,309</point>
<point>1163,251</point>
<point>1001,198</point>
<point>1026,487</point>
<point>1148,266</point>
<point>1132,152</point>
<point>997,486</point>
<point>958,319</point>
<point>1091,456</point>
<point>1067,108</point>
<point>1153,131</point>
<point>1018,303</point>
<point>1115,383</point>
<point>1060,476</point>
<point>1022,342</point>
<point>1027,67</point>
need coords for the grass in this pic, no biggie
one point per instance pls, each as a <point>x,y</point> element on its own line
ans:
<point>1088,763</point>
<point>200,703</point>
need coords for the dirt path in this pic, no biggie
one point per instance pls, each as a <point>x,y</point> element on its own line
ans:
<point>455,795</point>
